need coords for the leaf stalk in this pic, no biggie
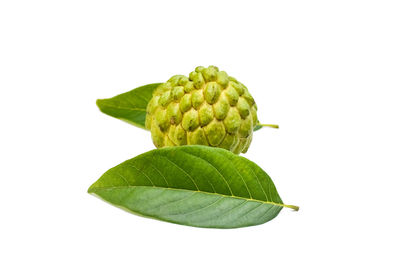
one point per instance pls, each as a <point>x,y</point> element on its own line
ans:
<point>269,125</point>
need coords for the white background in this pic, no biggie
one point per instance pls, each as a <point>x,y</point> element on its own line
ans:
<point>326,71</point>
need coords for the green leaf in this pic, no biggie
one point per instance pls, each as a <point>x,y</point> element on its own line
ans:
<point>130,106</point>
<point>257,127</point>
<point>192,185</point>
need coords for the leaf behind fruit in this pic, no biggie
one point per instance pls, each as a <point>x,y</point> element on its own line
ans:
<point>130,106</point>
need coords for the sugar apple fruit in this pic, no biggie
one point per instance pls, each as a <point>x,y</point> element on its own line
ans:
<point>209,108</point>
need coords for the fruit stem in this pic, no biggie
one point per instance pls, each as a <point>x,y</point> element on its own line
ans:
<point>293,207</point>
<point>269,125</point>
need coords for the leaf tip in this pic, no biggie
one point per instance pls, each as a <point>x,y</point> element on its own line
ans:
<point>91,189</point>
<point>98,103</point>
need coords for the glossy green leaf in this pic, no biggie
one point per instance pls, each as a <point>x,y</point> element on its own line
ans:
<point>130,106</point>
<point>192,185</point>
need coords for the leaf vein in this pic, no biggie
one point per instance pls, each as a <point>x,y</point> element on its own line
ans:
<point>191,178</point>
<point>180,189</point>
<point>162,175</point>
<point>258,180</point>
<point>122,107</point>
<point>148,178</point>
<point>230,189</point>
<point>123,177</point>
<point>173,202</point>
<point>197,210</point>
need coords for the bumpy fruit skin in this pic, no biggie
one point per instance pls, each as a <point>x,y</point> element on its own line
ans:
<point>207,108</point>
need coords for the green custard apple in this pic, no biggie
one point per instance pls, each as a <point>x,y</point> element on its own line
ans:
<point>209,108</point>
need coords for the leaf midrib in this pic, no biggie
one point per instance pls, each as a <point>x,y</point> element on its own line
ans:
<point>92,190</point>
<point>122,107</point>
